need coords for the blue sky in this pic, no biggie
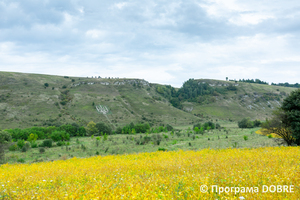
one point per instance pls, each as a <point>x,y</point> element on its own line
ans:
<point>160,41</point>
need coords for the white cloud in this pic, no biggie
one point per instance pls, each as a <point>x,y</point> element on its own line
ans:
<point>160,41</point>
<point>251,18</point>
<point>95,34</point>
<point>120,5</point>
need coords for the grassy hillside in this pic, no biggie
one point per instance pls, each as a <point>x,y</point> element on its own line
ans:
<point>255,101</point>
<point>26,100</point>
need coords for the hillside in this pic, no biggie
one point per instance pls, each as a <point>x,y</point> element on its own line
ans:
<point>28,100</point>
<point>256,101</point>
<point>25,101</point>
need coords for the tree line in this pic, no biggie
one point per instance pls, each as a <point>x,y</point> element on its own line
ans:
<point>192,91</point>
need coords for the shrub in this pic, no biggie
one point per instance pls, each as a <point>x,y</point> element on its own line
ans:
<point>158,142</point>
<point>245,123</point>
<point>60,143</point>
<point>5,137</point>
<point>32,137</point>
<point>21,143</point>
<point>47,143</point>
<point>27,145</point>
<point>34,145</point>
<point>91,128</point>
<point>13,147</point>
<point>169,127</point>
<point>60,136</point>
<point>21,160</point>
<point>245,137</point>
<point>162,149</point>
<point>24,149</point>
<point>42,150</point>
<point>102,127</point>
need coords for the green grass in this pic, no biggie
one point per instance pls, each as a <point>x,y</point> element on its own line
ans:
<point>25,102</point>
<point>127,144</point>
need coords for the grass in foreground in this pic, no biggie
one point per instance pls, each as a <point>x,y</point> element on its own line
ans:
<point>158,175</point>
<point>128,144</point>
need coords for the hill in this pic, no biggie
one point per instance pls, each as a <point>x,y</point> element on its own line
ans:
<point>28,100</point>
<point>256,101</point>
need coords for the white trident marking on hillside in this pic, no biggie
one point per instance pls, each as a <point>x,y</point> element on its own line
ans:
<point>102,109</point>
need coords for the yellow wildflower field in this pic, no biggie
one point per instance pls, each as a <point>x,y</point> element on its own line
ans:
<point>262,173</point>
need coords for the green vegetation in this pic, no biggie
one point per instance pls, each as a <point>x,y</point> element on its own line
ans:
<point>253,81</point>
<point>134,143</point>
<point>84,117</point>
<point>247,123</point>
<point>285,121</point>
<point>4,139</point>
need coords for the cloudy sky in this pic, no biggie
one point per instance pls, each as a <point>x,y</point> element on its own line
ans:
<point>161,41</point>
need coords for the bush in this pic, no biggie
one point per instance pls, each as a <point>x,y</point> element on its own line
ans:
<point>42,150</point>
<point>24,149</point>
<point>245,137</point>
<point>4,137</point>
<point>60,143</point>
<point>34,145</point>
<point>21,160</point>
<point>27,145</point>
<point>101,127</point>
<point>169,127</point>
<point>21,143</point>
<point>162,149</point>
<point>13,147</point>
<point>60,136</point>
<point>245,123</point>
<point>47,143</point>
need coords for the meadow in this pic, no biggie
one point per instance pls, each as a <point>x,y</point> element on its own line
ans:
<point>184,138</point>
<point>203,174</point>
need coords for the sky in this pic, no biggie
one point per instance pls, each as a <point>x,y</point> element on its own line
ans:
<point>161,41</point>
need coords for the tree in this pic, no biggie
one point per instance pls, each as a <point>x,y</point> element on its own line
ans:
<point>196,129</point>
<point>46,85</point>
<point>291,109</point>
<point>101,127</point>
<point>277,126</point>
<point>245,123</point>
<point>91,128</point>
<point>5,138</point>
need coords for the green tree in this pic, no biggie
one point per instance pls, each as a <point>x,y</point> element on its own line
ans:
<point>291,109</point>
<point>32,137</point>
<point>5,138</point>
<point>102,127</point>
<point>196,129</point>
<point>276,125</point>
<point>91,128</point>
<point>245,123</point>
